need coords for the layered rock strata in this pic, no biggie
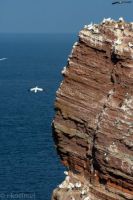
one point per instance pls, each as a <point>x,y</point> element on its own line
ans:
<point>93,126</point>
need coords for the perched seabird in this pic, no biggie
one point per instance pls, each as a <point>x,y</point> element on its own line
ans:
<point>89,27</point>
<point>118,42</point>
<point>75,44</point>
<point>63,72</point>
<point>106,20</point>
<point>66,173</point>
<point>130,45</point>
<point>121,19</point>
<point>78,184</point>
<point>92,27</point>
<point>121,2</point>
<point>96,30</point>
<point>83,192</point>
<point>70,186</point>
<point>63,185</point>
<point>36,89</point>
<point>119,27</point>
<point>67,178</point>
<point>87,198</point>
<point>105,154</point>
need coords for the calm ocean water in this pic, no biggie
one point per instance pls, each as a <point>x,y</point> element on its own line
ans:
<point>29,166</point>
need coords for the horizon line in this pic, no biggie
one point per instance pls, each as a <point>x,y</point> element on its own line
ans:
<point>38,32</point>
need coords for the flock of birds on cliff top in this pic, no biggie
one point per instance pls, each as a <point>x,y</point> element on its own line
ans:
<point>94,29</point>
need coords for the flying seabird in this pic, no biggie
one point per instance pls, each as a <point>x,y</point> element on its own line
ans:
<point>121,2</point>
<point>36,89</point>
<point>2,59</point>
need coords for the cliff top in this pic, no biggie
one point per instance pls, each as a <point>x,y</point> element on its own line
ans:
<point>118,34</point>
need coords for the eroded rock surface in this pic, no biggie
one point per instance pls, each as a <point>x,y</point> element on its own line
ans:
<point>93,126</point>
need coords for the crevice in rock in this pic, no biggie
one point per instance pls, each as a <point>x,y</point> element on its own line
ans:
<point>99,120</point>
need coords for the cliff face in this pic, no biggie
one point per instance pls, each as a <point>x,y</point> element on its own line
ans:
<point>93,126</point>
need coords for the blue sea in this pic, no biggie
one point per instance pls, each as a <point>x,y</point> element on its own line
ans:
<point>29,165</point>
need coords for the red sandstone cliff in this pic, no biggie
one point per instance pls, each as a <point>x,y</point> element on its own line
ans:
<point>93,126</point>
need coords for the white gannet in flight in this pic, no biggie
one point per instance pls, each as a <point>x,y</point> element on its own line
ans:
<point>2,59</point>
<point>36,89</point>
<point>121,2</point>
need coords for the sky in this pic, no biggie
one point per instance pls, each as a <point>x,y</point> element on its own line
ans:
<point>57,16</point>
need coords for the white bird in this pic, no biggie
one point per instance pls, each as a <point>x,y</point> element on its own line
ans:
<point>121,19</point>
<point>83,192</point>
<point>96,31</point>
<point>106,20</point>
<point>118,42</point>
<point>2,59</point>
<point>130,44</point>
<point>105,154</point>
<point>87,198</point>
<point>61,186</point>
<point>66,173</point>
<point>90,26</point>
<point>36,89</point>
<point>64,184</point>
<point>85,26</point>
<point>75,44</point>
<point>71,185</point>
<point>78,184</point>
<point>64,70</point>
<point>67,178</point>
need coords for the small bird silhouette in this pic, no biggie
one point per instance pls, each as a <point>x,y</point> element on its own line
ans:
<point>121,2</point>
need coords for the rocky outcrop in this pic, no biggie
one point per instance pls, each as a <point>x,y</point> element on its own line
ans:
<point>93,126</point>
